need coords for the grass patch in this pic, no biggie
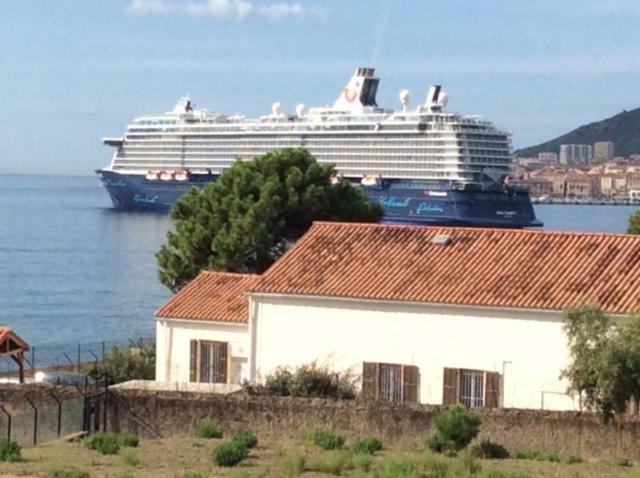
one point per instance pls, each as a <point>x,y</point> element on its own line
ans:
<point>333,462</point>
<point>328,440</point>
<point>195,474</point>
<point>68,473</point>
<point>362,462</point>
<point>554,457</point>
<point>292,465</point>
<point>208,429</point>
<point>623,461</point>
<point>129,458</point>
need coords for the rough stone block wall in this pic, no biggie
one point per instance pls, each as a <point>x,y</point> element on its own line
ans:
<point>164,414</point>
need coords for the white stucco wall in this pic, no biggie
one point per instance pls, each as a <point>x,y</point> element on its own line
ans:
<point>528,346</point>
<point>173,347</point>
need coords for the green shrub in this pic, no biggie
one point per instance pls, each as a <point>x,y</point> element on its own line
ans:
<point>332,462</point>
<point>367,446</point>
<point>68,473</point>
<point>292,465</point>
<point>229,454</point>
<point>208,429</point>
<point>121,364</point>
<point>131,441</point>
<point>105,443</point>
<point>245,438</point>
<point>455,428</point>
<point>9,450</point>
<point>328,440</point>
<point>279,382</point>
<point>622,461</point>
<point>308,380</point>
<point>490,450</point>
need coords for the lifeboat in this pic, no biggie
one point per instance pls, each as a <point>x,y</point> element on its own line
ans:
<point>152,175</point>
<point>166,175</point>
<point>181,176</point>
<point>371,180</point>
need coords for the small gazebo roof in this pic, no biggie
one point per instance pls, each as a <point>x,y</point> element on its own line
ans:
<point>10,342</point>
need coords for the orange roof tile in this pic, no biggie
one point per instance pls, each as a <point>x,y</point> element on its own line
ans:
<point>217,296</point>
<point>485,267</point>
<point>10,341</point>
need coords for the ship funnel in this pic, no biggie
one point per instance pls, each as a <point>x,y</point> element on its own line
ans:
<point>359,92</point>
<point>300,110</point>
<point>436,98</point>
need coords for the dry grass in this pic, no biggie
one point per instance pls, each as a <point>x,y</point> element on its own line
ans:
<point>174,457</point>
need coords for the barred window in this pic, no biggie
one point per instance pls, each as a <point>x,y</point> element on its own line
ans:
<point>472,388</point>
<point>390,382</point>
<point>208,362</point>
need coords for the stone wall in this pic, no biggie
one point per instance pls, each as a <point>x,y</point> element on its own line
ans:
<point>163,414</point>
<point>15,400</point>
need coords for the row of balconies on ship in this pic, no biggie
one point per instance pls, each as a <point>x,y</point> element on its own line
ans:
<point>377,128</point>
<point>178,164</point>
<point>332,145</point>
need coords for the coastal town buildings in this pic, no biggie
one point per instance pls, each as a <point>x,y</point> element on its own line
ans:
<point>611,180</point>
<point>603,151</point>
<point>432,315</point>
<point>548,158</point>
<point>571,154</point>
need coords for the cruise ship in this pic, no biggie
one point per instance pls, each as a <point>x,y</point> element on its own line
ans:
<point>424,165</point>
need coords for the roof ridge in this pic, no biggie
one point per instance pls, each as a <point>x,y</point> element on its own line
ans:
<point>228,273</point>
<point>555,232</point>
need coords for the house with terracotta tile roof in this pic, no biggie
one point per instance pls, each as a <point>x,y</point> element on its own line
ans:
<point>434,315</point>
<point>202,332</point>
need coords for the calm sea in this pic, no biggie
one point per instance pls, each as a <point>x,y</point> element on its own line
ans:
<point>74,270</point>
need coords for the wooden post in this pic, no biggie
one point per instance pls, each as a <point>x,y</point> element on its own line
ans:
<point>21,366</point>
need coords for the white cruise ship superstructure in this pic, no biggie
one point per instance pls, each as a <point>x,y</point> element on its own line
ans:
<point>423,164</point>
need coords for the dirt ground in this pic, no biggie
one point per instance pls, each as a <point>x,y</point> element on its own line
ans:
<point>175,457</point>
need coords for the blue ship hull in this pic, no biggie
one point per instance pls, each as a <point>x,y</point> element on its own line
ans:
<point>403,202</point>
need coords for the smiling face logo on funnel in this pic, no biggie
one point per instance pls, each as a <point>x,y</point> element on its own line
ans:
<point>350,92</point>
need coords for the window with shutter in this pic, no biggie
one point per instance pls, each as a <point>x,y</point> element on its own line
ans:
<point>492,390</point>
<point>193,362</point>
<point>209,361</point>
<point>450,390</point>
<point>369,380</point>
<point>390,382</point>
<point>472,388</point>
<point>411,378</point>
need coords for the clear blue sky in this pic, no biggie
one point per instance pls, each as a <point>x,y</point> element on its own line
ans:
<point>73,71</point>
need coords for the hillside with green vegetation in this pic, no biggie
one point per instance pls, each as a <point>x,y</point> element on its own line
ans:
<point>623,129</point>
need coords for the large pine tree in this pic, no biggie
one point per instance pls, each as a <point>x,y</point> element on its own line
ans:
<point>247,219</point>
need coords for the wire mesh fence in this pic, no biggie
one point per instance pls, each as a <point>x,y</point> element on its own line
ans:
<point>71,355</point>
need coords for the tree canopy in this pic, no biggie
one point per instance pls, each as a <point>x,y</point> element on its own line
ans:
<point>246,219</point>
<point>634,223</point>
<point>605,360</point>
